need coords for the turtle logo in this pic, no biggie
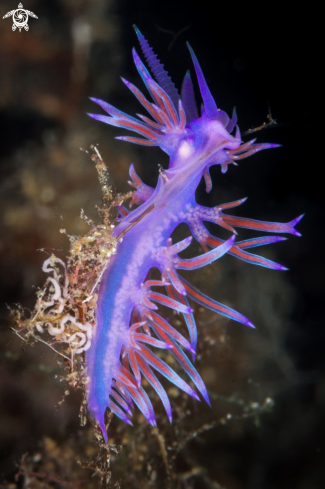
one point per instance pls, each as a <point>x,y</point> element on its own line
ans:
<point>20,18</point>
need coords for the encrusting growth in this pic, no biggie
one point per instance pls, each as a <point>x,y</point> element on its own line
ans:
<point>64,316</point>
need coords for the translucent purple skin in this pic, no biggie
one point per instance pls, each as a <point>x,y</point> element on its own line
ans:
<point>126,312</point>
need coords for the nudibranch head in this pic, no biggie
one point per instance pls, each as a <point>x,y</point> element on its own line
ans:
<point>175,124</point>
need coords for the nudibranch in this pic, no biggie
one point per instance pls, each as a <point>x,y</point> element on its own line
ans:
<point>129,327</point>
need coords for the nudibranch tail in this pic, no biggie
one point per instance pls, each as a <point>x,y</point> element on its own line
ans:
<point>130,330</point>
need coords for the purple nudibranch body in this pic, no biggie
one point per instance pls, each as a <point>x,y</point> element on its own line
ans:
<point>128,323</point>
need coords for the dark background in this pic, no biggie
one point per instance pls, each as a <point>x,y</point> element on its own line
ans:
<point>252,58</point>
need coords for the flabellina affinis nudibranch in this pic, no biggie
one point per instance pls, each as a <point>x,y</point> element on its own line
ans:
<point>128,323</point>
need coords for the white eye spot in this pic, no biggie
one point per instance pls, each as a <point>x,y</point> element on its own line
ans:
<point>185,149</point>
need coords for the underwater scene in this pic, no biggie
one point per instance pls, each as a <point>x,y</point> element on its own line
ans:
<point>161,292</point>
